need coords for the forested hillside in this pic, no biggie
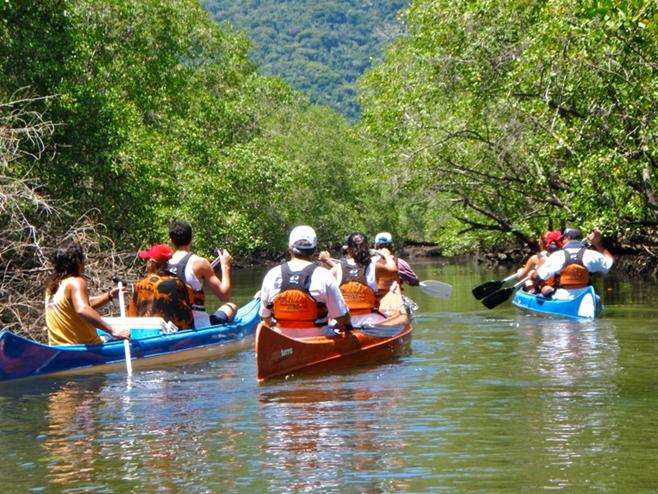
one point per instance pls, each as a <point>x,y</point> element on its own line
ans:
<point>319,46</point>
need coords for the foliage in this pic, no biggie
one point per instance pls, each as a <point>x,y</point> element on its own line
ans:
<point>160,114</point>
<point>319,47</point>
<point>520,116</point>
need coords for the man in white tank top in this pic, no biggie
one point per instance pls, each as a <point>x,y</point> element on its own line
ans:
<point>197,273</point>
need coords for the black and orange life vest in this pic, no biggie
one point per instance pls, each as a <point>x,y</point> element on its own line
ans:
<point>359,297</point>
<point>574,274</point>
<point>162,295</point>
<point>196,298</point>
<point>294,306</point>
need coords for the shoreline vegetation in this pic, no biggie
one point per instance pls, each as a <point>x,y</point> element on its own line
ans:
<point>484,124</point>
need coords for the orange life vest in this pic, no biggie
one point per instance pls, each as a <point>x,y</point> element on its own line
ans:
<point>294,306</point>
<point>162,296</point>
<point>359,297</point>
<point>574,274</point>
<point>384,283</point>
<point>195,298</point>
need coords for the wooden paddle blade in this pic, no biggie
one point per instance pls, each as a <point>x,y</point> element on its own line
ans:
<point>497,298</point>
<point>436,289</point>
<point>481,291</point>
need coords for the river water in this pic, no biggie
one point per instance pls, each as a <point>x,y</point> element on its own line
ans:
<point>488,401</point>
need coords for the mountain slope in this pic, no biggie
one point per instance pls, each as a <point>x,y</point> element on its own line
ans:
<point>321,47</point>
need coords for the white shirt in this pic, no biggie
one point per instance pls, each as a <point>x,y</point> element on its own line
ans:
<point>594,261</point>
<point>201,317</point>
<point>323,288</point>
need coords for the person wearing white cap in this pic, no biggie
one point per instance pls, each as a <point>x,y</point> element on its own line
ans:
<point>299,293</point>
<point>384,246</point>
<point>573,264</point>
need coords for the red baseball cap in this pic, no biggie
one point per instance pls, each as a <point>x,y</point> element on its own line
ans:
<point>159,252</point>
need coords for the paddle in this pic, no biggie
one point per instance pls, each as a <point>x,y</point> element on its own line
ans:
<point>122,312</point>
<point>436,289</point>
<point>433,288</point>
<point>377,330</point>
<point>497,298</point>
<point>489,287</point>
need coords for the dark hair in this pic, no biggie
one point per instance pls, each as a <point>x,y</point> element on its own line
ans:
<point>357,244</point>
<point>303,253</point>
<point>66,261</point>
<point>180,233</point>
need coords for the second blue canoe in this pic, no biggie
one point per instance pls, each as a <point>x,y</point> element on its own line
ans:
<point>583,304</point>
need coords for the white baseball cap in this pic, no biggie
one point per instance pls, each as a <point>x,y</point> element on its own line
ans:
<point>383,238</point>
<point>302,237</point>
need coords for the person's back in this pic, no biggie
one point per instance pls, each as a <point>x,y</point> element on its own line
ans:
<point>359,286</point>
<point>71,315</point>
<point>573,264</point>
<point>161,293</point>
<point>196,272</point>
<point>299,293</point>
<point>65,326</point>
<point>386,277</point>
<point>549,242</point>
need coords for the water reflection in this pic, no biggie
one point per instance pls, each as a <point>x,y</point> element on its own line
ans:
<point>71,445</point>
<point>576,363</point>
<point>315,435</point>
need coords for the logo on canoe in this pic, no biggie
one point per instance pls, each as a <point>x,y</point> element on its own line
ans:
<point>286,352</point>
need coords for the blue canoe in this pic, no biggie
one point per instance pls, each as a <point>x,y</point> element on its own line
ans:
<point>21,357</point>
<point>584,304</point>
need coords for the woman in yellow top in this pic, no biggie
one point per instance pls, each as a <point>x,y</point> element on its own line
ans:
<point>71,314</point>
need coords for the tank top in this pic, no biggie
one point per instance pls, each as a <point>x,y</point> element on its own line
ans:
<point>65,326</point>
<point>196,296</point>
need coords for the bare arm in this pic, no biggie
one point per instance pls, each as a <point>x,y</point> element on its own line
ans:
<point>203,271</point>
<point>388,268</point>
<point>77,291</point>
<point>596,239</point>
<point>325,257</point>
<point>530,265</point>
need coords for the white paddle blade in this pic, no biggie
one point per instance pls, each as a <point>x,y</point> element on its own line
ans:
<point>436,288</point>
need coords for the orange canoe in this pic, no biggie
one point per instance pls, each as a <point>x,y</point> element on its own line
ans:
<point>284,351</point>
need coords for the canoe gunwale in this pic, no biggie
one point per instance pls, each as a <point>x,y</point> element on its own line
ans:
<point>21,357</point>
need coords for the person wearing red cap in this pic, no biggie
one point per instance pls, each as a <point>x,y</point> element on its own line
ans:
<point>574,264</point>
<point>549,242</point>
<point>161,293</point>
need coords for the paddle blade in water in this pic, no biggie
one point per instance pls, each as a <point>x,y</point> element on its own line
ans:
<point>481,291</point>
<point>436,288</point>
<point>497,298</point>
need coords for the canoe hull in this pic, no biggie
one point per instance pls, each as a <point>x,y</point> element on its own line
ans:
<point>585,304</point>
<point>283,351</point>
<point>21,357</point>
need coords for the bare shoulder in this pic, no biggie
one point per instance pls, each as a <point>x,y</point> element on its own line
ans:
<point>201,267</point>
